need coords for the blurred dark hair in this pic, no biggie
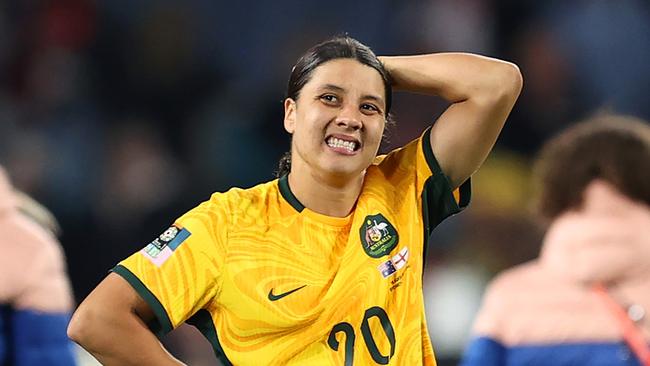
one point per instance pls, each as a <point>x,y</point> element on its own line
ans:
<point>610,147</point>
<point>335,48</point>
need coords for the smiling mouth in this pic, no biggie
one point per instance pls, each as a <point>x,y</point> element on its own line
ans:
<point>342,145</point>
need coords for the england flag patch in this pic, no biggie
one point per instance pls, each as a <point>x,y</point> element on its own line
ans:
<point>400,259</point>
<point>391,266</point>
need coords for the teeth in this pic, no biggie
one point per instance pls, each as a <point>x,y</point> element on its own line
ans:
<point>336,142</point>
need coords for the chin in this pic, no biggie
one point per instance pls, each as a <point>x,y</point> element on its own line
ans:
<point>348,167</point>
<point>339,171</point>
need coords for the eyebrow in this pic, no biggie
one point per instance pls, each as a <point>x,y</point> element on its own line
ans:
<point>339,89</point>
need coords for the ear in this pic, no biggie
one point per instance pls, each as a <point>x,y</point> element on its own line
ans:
<point>289,115</point>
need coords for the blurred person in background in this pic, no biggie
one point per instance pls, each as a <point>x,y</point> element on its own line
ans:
<point>584,300</point>
<point>301,269</point>
<point>35,295</point>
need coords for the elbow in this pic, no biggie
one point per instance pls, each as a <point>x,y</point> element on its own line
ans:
<point>510,81</point>
<point>81,326</point>
<point>76,327</point>
<point>502,88</point>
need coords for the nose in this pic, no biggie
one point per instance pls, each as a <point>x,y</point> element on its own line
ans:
<point>349,117</point>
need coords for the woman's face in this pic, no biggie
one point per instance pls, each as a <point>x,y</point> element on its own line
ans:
<point>338,121</point>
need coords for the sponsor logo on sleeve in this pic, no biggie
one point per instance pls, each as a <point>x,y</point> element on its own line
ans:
<point>161,248</point>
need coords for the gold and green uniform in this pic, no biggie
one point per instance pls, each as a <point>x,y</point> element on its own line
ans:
<point>268,281</point>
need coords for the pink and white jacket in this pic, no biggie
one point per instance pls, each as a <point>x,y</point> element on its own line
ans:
<point>35,296</point>
<point>545,313</point>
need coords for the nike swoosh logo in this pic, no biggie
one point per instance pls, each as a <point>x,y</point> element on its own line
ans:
<point>274,297</point>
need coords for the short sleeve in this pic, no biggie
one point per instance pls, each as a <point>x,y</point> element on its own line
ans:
<point>416,164</point>
<point>179,272</point>
<point>439,200</point>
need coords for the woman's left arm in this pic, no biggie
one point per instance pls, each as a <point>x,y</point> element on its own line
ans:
<point>482,92</point>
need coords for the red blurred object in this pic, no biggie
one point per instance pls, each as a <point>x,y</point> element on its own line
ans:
<point>67,24</point>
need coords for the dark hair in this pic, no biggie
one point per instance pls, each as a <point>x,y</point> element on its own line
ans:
<point>610,147</point>
<point>334,48</point>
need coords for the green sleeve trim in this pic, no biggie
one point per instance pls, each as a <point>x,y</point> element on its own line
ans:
<point>438,201</point>
<point>465,194</point>
<point>426,226</point>
<point>202,320</point>
<point>163,325</point>
<point>438,190</point>
<point>428,152</point>
<point>285,191</point>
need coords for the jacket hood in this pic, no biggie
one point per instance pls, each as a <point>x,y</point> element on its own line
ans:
<point>606,240</point>
<point>7,198</point>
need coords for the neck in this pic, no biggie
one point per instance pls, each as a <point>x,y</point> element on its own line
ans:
<point>326,195</point>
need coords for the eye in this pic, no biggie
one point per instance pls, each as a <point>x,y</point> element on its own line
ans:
<point>370,108</point>
<point>330,99</point>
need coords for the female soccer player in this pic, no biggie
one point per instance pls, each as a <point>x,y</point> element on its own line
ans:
<point>322,266</point>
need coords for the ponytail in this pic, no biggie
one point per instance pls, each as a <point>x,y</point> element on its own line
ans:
<point>284,165</point>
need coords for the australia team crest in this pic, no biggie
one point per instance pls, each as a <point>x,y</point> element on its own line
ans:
<point>378,236</point>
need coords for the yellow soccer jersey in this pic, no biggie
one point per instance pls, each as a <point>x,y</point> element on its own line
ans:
<point>270,282</point>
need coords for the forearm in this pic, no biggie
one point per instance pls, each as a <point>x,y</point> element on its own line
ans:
<point>110,324</point>
<point>118,340</point>
<point>456,77</point>
<point>482,92</point>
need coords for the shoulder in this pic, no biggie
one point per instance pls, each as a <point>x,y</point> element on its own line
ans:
<point>398,155</point>
<point>530,304</point>
<point>24,241</point>
<point>399,167</point>
<point>241,201</point>
<point>33,264</point>
<point>504,295</point>
<point>516,278</point>
<point>21,235</point>
<point>235,204</point>
<point>415,157</point>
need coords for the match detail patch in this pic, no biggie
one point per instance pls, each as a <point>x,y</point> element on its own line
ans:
<point>161,248</point>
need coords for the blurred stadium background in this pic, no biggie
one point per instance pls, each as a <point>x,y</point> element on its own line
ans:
<point>121,115</point>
